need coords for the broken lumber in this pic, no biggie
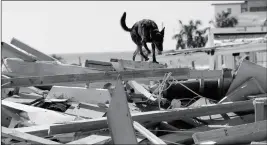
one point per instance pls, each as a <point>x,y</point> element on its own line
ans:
<point>99,65</point>
<point>20,136</point>
<point>9,51</point>
<point>178,73</point>
<point>247,70</point>
<point>119,118</point>
<point>250,87</point>
<point>153,116</point>
<point>241,134</point>
<point>30,50</point>
<point>150,136</point>
<point>260,105</point>
<point>41,68</point>
<point>137,65</point>
<point>80,94</point>
<point>92,139</point>
<point>142,90</point>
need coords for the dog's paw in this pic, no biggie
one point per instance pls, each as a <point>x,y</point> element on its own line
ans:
<point>155,62</point>
<point>146,59</point>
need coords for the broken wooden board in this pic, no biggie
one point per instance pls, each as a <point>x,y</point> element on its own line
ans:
<point>186,135</point>
<point>9,51</point>
<point>20,136</point>
<point>178,73</point>
<point>137,65</point>
<point>142,90</point>
<point>79,94</point>
<point>153,116</point>
<point>92,139</point>
<point>247,70</point>
<point>85,111</point>
<point>30,50</point>
<point>38,116</point>
<point>250,87</point>
<point>146,133</point>
<point>260,105</point>
<point>240,134</point>
<point>24,98</point>
<point>119,118</point>
<point>22,68</point>
<point>99,65</point>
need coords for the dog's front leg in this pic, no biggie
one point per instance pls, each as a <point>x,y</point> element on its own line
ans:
<point>142,54</point>
<point>153,51</point>
<point>144,44</point>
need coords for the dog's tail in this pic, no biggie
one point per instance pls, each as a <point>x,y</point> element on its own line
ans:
<point>123,23</point>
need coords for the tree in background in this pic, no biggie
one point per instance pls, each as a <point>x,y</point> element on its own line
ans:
<point>224,20</point>
<point>194,36</point>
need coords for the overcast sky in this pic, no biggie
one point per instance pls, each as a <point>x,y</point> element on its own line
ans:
<point>93,26</point>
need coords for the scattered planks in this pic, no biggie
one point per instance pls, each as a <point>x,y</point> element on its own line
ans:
<point>99,65</point>
<point>178,73</point>
<point>153,116</point>
<point>241,134</point>
<point>119,118</point>
<point>20,136</point>
<point>260,105</point>
<point>30,50</point>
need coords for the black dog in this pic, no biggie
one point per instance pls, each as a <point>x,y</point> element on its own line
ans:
<point>142,32</point>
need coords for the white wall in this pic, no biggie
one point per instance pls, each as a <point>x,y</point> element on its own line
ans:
<point>236,9</point>
<point>256,3</point>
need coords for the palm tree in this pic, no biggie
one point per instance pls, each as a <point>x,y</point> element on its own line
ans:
<point>188,31</point>
<point>224,20</point>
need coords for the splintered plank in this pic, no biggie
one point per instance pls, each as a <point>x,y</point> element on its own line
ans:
<point>260,105</point>
<point>29,49</point>
<point>178,73</point>
<point>237,134</point>
<point>150,136</point>
<point>99,65</point>
<point>135,65</point>
<point>92,139</point>
<point>20,136</point>
<point>11,52</point>
<point>142,90</point>
<point>119,118</point>
<point>153,116</point>
<point>247,70</point>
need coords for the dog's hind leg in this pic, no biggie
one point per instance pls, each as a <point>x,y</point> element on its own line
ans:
<point>135,53</point>
<point>153,51</point>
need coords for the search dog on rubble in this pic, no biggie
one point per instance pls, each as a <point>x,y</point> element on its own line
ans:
<point>142,32</point>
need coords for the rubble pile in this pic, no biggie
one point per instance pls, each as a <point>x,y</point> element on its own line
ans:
<point>47,102</point>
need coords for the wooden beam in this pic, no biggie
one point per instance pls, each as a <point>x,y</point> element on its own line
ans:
<point>119,118</point>
<point>11,52</point>
<point>29,49</point>
<point>178,73</point>
<point>240,134</point>
<point>153,116</point>
<point>142,90</point>
<point>247,70</point>
<point>150,136</point>
<point>99,65</point>
<point>92,139</point>
<point>137,65</point>
<point>20,136</point>
<point>260,105</point>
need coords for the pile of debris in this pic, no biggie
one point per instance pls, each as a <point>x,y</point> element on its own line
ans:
<point>47,102</point>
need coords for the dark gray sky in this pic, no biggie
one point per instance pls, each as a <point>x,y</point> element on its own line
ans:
<point>91,26</point>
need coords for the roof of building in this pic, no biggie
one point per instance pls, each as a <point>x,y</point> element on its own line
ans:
<point>227,2</point>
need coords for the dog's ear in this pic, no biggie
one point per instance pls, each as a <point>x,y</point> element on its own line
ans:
<point>162,31</point>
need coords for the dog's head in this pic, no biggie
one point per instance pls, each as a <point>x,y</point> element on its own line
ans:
<point>158,38</point>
